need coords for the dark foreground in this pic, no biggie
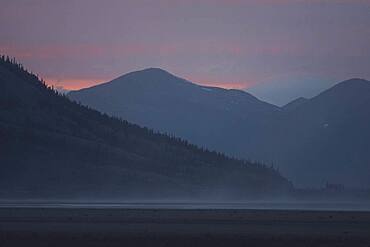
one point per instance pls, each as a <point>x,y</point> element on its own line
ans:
<point>178,227</point>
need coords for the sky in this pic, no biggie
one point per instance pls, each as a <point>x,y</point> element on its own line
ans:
<point>276,49</point>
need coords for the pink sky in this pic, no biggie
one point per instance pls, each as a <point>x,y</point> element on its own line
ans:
<point>233,44</point>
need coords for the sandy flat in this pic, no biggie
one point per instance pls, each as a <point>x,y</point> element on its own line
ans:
<point>181,227</point>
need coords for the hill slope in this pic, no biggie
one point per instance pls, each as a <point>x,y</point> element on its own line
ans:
<point>53,147</point>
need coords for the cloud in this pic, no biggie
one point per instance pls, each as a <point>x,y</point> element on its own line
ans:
<point>228,43</point>
<point>73,83</point>
<point>61,51</point>
<point>227,85</point>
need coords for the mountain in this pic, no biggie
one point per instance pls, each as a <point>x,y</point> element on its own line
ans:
<point>328,136</point>
<point>52,147</point>
<point>282,89</point>
<point>208,116</point>
<point>294,104</point>
<point>322,139</point>
<point>313,141</point>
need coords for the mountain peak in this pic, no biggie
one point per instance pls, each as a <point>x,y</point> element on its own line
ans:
<point>149,76</point>
<point>150,72</point>
<point>355,83</point>
<point>153,70</point>
<point>340,99</point>
<point>350,89</point>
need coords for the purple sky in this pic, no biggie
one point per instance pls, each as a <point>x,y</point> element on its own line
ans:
<point>286,45</point>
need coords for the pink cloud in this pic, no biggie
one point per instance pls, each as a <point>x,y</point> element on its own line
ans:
<point>73,83</point>
<point>51,51</point>
<point>226,85</point>
<point>222,84</point>
<point>78,83</point>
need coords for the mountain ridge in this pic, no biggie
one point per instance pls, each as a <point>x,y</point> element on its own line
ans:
<point>55,148</point>
<point>169,105</point>
<point>328,135</point>
<point>241,125</point>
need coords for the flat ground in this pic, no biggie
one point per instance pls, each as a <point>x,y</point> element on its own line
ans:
<point>181,227</point>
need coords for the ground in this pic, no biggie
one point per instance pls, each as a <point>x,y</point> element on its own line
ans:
<point>181,227</point>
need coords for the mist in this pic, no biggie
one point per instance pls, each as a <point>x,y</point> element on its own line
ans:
<point>185,123</point>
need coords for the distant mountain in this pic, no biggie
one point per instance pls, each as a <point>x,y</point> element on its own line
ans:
<point>327,138</point>
<point>54,148</point>
<point>294,104</point>
<point>282,89</point>
<point>207,116</point>
<point>313,141</point>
